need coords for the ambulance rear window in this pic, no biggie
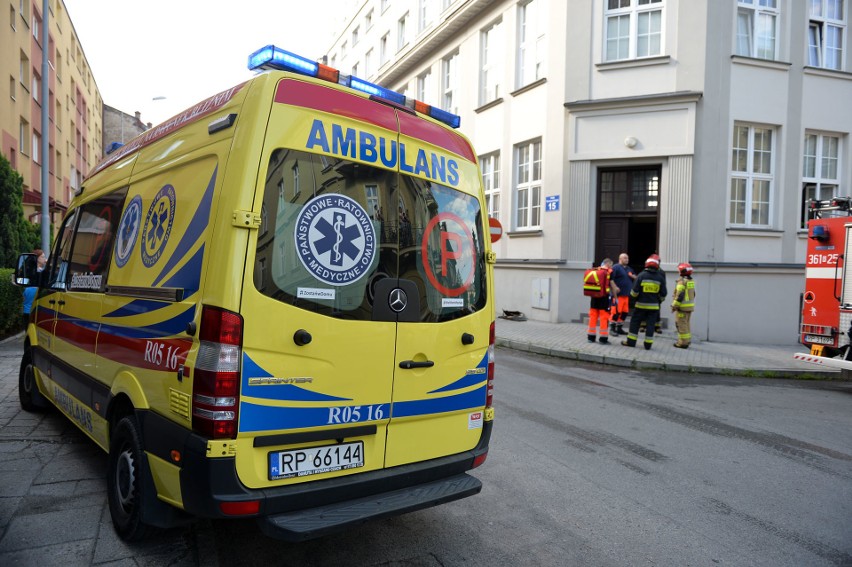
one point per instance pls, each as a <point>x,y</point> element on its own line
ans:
<point>335,235</point>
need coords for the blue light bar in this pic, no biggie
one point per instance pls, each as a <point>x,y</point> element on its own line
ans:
<point>271,57</point>
<point>373,89</point>
<point>453,120</point>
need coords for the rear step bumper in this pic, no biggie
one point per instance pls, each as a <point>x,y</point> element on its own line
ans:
<point>315,522</point>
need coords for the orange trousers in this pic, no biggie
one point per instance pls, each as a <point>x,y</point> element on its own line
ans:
<point>596,316</point>
<point>619,308</point>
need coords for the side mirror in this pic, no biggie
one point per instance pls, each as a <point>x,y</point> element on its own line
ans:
<point>26,271</point>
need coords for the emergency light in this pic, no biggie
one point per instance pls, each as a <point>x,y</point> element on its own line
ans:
<point>271,57</point>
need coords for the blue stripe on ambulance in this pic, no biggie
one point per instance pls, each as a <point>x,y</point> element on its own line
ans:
<point>469,379</point>
<point>256,417</point>
<point>169,327</point>
<point>193,232</point>
<point>283,392</point>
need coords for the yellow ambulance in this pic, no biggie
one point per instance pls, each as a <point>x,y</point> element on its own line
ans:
<point>278,305</point>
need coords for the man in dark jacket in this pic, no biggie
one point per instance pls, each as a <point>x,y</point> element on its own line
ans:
<point>649,290</point>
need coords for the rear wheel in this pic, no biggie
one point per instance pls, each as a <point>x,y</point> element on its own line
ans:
<point>125,486</point>
<point>31,399</point>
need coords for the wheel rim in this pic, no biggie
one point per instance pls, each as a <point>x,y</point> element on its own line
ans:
<point>125,480</point>
<point>29,379</point>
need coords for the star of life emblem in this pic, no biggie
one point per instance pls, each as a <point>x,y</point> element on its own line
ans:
<point>128,230</point>
<point>335,239</point>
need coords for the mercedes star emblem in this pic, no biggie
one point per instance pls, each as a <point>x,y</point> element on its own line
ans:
<point>398,300</point>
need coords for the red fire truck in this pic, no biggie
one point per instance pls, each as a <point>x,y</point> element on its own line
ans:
<point>827,301</point>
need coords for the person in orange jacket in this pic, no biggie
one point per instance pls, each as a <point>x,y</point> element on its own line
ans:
<point>599,306</point>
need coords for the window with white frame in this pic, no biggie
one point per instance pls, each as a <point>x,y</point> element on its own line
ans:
<point>383,5</point>
<point>23,137</point>
<point>424,9</point>
<point>24,71</point>
<point>752,176</point>
<point>401,39</point>
<point>368,20</point>
<point>355,36</point>
<point>490,166</point>
<point>368,63</point>
<point>528,185</point>
<point>490,68</point>
<point>383,49</point>
<point>449,83</point>
<point>36,147</point>
<point>826,33</point>
<point>371,192</point>
<point>757,28</point>
<point>37,29</point>
<point>820,169</point>
<point>531,41</point>
<point>423,91</point>
<point>355,69</point>
<point>36,87</point>
<point>633,29</point>
<point>297,187</point>
<point>343,50</point>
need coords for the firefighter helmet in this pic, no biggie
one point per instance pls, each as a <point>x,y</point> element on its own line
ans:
<point>685,269</point>
<point>653,261</point>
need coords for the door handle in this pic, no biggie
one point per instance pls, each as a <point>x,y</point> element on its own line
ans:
<point>409,364</point>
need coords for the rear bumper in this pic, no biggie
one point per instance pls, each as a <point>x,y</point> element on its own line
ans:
<point>311,509</point>
<point>309,523</point>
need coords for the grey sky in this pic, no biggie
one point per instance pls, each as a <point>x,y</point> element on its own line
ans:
<point>187,50</point>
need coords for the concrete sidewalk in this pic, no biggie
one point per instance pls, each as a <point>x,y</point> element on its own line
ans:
<point>53,503</point>
<point>568,340</point>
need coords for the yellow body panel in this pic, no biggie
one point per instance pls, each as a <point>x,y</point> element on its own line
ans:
<point>178,248</point>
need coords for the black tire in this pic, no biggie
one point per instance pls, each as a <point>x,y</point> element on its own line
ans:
<point>31,399</point>
<point>125,481</point>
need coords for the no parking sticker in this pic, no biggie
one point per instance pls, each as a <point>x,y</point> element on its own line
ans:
<point>448,262</point>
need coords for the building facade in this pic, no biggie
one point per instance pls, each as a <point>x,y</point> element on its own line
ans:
<point>694,129</point>
<point>74,104</point>
<point>120,127</point>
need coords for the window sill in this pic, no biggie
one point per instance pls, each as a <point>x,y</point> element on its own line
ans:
<point>488,105</point>
<point>529,87</point>
<point>761,232</point>
<point>823,72</point>
<point>765,63</point>
<point>525,233</point>
<point>631,63</point>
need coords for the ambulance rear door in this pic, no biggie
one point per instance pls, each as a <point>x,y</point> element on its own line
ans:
<point>317,366</point>
<point>440,298</point>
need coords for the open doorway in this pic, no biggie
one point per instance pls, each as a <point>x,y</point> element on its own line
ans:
<point>628,213</point>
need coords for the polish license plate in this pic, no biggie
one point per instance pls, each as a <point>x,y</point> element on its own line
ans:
<point>315,460</point>
<point>819,340</point>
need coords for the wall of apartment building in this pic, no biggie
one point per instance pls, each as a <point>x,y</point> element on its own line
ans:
<point>679,109</point>
<point>121,127</point>
<point>75,105</point>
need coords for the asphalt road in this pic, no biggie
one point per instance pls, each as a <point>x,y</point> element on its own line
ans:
<point>593,465</point>
<point>589,465</point>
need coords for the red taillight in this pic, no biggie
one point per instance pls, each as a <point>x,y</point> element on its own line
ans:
<point>247,508</point>
<point>216,387</point>
<point>489,391</point>
<point>479,459</point>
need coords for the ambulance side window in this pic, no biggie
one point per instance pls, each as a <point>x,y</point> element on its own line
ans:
<point>320,245</point>
<point>58,265</point>
<point>93,243</point>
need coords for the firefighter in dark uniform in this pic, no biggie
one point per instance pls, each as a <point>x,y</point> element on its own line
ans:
<point>649,290</point>
<point>683,304</point>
